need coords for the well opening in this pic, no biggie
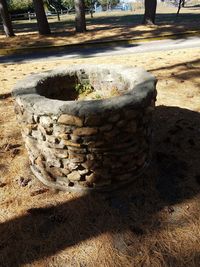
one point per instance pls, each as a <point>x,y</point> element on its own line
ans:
<point>81,86</point>
<point>59,87</point>
<point>85,145</point>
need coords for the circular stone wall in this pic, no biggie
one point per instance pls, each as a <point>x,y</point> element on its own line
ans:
<point>87,144</point>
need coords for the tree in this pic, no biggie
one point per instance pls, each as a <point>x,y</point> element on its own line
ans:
<point>150,12</point>
<point>106,4</point>
<point>68,4</point>
<point>56,5</point>
<point>43,25</point>
<point>7,24</point>
<point>80,23</point>
<point>20,7</point>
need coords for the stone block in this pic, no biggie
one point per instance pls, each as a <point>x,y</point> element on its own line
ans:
<point>77,150</point>
<point>70,120</point>
<point>56,172</point>
<point>76,157</point>
<point>52,162</point>
<point>37,135</point>
<point>91,178</point>
<point>46,121</point>
<point>64,136</point>
<point>114,117</point>
<point>61,153</point>
<point>74,176</point>
<point>60,129</point>
<point>106,128</point>
<point>65,171</point>
<point>69,143</point>
<point>95,120</point>
<point>85,131</point>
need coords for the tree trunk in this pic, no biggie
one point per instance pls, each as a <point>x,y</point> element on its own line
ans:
<point>150,12</point>
<point>7,24</point>
<point>180,4</point>
<point>91,9</point>
<point>80,16</point>
<point>58,15</point>
<point>43,25</point>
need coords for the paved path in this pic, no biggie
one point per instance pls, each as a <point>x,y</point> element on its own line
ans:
<point>106,50</point>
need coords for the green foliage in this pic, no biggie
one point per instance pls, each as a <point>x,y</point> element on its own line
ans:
<point>84,88</point>
<point>69,4</point>
<point>108,2</point>
<point>22,6</point>
<point>97,96</point>
<point>89,3</point>
<point>55,4</point>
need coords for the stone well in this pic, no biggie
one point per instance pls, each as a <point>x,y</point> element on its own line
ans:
<point>80,145</point>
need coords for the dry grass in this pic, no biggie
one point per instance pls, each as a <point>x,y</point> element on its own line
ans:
<point>154,222</point>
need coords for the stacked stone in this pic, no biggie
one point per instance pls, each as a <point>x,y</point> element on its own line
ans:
<point>88,151</point>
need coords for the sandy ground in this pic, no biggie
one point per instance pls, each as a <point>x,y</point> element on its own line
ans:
<point>154,222</point>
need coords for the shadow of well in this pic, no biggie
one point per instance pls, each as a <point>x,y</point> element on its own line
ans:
<point>172,178</point>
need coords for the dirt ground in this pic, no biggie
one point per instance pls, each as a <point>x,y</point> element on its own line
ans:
<point>154,222</point>
<point>104,27</point>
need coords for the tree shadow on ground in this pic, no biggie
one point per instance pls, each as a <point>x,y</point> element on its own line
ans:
<point>112,21</point>
<point>193,7</point>
<point>122,27</point>
<point>189,70</point>
<point>173,177</point>
<point>194,64</point>
<point>77,51</point>
<point>94,50</point>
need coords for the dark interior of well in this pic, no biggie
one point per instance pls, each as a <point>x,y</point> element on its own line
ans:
<point>59,87</point>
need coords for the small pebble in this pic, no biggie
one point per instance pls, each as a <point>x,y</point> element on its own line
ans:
<point>2,184</point>
<point>23,182</point>
<point>170,209</point>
